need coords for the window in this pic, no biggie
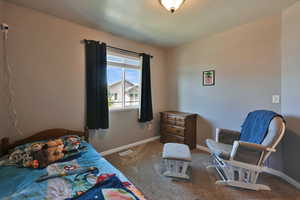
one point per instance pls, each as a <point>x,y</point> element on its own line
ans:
<point>123,76</point>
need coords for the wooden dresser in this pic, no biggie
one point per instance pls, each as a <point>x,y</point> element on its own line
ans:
<point>178,127</point>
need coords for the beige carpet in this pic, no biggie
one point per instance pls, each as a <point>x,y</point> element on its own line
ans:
<point>142,167</point>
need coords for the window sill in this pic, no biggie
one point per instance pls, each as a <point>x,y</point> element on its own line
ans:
<point>123,109</point>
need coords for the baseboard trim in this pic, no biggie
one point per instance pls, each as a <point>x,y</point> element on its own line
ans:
<point>202,148</point>
<point>282,176</point>
<point>121,148</point>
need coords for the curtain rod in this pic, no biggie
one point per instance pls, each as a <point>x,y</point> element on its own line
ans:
<point>119,49</point>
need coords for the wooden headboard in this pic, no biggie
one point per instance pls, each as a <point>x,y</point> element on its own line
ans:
<point>43,135</point>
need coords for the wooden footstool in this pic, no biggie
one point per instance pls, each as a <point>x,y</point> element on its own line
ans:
<point>177,158</point>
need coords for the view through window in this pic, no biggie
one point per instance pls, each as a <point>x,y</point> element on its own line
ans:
<point>123,76</point>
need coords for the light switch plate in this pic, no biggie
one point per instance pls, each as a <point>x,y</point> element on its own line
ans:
<point>276,99</point>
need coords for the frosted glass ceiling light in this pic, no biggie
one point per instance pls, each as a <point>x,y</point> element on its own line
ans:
<point>171,5</point>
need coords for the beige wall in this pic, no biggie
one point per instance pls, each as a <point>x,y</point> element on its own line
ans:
<point>290,88</point>
<point>4,113</point>
<point>291,66</point>
<point>48,68</point>
<point>247,63</point>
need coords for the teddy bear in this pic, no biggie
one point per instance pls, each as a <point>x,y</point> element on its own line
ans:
<point>43,155</point>
<point>39,158</point>
<point>55,149</point>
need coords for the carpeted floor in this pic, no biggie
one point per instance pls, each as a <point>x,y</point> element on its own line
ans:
<point>142,167</point>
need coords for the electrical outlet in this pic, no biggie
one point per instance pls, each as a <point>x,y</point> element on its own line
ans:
<point>276,99</point>
<point>149,126</point>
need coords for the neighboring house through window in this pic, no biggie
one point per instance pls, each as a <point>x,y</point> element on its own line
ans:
<point>123,75</point>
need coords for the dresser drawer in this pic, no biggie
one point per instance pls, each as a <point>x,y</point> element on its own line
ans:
<point>169,121</point>
<point>176,130</point>
<point>170,138</point>
<point>180,123</point>
<point>173,120</point>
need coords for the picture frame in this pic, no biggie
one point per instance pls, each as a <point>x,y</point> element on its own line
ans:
<point>208,78</point>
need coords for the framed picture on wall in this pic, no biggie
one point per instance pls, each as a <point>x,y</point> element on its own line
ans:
<point>208,78</point>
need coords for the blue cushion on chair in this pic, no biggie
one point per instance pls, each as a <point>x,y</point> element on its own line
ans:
<point>256,125</point>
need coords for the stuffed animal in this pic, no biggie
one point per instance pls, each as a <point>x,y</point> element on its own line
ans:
<point>55,143</point>
<point>41,154</point>
<point>55,149</point>
<point>39,158</point>
<point>36,146</point>
<point>72,143</point>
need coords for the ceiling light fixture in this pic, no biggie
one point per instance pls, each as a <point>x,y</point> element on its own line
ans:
<point>171,5</point>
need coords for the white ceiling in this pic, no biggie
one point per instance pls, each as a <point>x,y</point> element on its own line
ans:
<point>147,21</point>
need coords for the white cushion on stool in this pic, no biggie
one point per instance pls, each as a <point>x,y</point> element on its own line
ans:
<point>177,151</point>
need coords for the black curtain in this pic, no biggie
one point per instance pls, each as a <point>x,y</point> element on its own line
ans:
<point>146,113</point>
<point>96,85</point>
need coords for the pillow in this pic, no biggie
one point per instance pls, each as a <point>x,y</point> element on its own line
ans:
<point>71,142</point>
<point>42,153</point>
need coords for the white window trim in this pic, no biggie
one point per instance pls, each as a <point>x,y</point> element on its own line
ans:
<point>125,66</point>
<point>127,109</point>
<point>122,65</point>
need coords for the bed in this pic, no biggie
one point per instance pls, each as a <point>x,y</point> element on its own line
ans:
<point>21,183</point>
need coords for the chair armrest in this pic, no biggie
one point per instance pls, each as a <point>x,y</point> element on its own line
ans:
<point>255,146</point>
<point>227,136</point>
<point>248,152</point>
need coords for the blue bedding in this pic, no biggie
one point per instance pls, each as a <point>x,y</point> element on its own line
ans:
<point>19,183</point>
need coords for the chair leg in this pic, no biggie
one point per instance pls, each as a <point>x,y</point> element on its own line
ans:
<point>239,184</point>
<point>177,169</point>
<point>210,166</point>
<point>237,176</point>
